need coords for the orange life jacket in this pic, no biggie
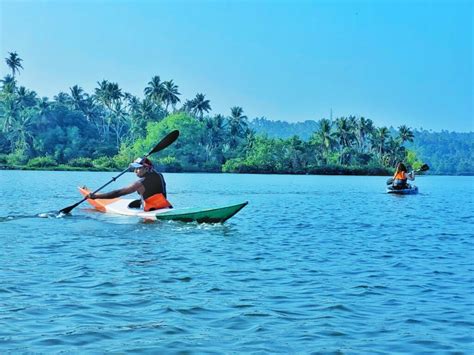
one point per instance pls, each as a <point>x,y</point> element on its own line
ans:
<point>400,176</point>
<point>155,202</point>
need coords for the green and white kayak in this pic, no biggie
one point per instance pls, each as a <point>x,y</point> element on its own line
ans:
<point>123,206</point>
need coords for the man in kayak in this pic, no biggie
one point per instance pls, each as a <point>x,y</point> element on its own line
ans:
<point>151,187</point>
<point>401,176</point>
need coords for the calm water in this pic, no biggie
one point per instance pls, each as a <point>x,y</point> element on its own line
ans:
<point>312,264</point>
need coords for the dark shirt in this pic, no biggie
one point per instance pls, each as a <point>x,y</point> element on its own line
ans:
<point>154,183</point>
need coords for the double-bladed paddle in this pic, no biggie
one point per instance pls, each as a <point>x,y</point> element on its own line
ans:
<point>424,167</point>
<point>166,141</point>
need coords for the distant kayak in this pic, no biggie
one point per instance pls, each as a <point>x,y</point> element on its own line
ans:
<point>412,190</point>
<point>123,206</point>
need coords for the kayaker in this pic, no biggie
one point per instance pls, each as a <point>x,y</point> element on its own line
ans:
<point>151,187</point>
<point>401,176</point>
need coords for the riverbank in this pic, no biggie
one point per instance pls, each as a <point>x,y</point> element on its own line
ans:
<point>323,170</point>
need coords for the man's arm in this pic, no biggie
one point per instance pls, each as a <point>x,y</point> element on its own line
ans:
<point>136,186</point>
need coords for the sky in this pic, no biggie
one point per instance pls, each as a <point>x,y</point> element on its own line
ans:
<point>394,62</point>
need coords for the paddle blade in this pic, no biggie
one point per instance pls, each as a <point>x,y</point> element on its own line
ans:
<point>68,210</point>
<point>169,139</point>
<point>390,181</point>
<point>424,167</point>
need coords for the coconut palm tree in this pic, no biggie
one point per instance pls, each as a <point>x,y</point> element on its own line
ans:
<point>109,94</point>
<point>324,137</point>
<point>394,152</point>
<point>20,133</point>
<point>214,137</point>
<point>379,138</point>
<point>26,98</point>
<point>170,94</point>
<point>405,134</point>
<point>9,114</point>
<point>199,105</point>
<point>62,99</point>
<point>364,127</point>
<point>14,62</point>
<point>154,90</point>
<point>43,109</point>
<point>77,95</point>
<point>237,123</point>
<point>8,84</point>
<point>345,135</point>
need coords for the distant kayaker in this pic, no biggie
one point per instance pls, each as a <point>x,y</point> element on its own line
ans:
<point>151,187</point>
<point>401,176</point>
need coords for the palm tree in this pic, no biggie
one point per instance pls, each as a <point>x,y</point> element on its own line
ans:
<point>394,152</point>
<point>405,134</point>
<point>324,137</point>
<point>43,109</point>
<point>214,137</point>
<point>25,97</point>
<point>154,90</point>
<point>237,121</point>
<point>237,124</point>
<point>110,95</point>
<point>14,62</point>
<point>170,94</point>
<point>20,134</point>
<point>107,93</point>
<point>8,84</point>
<point>9,114</point>
<point>345,135</point>
<point>62,98</point>
<point>379,138</point>
<point>199,105</point>
<point>363,128</point>
<point>77,95</point>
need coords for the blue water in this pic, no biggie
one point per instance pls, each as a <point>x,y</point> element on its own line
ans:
<point>312,264</point>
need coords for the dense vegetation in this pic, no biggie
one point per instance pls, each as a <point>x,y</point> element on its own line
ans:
<point>446,152</point>
<point>108,128</point>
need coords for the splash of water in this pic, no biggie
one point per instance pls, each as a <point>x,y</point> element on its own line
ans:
<point>39,215</point>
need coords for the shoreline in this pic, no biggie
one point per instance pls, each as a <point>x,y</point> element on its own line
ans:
<point>320,171</point>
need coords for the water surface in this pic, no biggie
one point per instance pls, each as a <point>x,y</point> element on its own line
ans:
<point>313,263</point>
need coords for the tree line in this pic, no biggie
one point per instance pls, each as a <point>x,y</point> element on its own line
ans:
<point>109,127</point>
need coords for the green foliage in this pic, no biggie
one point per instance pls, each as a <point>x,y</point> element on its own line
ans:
<point>105,163</point>
<point>3,158</point>
<point>168,163</point>
<point>188,149</point>
<point>445,152</point>
<point>109,128</point>
<point>42,162</point>
<point>412,160</point>
<point>125,156</point>
<point>17,158</point>
<point>81,162</point>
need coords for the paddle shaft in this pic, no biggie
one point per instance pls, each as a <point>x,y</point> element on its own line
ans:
<point>70,208</point>
<point>166,141</point>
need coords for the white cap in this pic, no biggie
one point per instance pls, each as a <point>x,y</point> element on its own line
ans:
<point>140,162</point>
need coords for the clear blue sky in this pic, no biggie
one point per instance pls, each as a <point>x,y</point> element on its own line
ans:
<point>395,62</point>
